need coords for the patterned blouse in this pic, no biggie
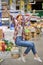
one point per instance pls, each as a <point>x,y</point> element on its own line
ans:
<point>18,31</point>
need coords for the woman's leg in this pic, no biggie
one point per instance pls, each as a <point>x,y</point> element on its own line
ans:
<point>30,46</point>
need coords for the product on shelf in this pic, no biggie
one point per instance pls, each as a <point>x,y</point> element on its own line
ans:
<point>2,46</point>
<point>5,11</point>
<point>15,52</point>
<point>1,34</point>
<point>5,45</point>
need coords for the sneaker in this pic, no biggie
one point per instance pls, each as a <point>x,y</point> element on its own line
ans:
<point>38,59</point>
<point>1,60</point>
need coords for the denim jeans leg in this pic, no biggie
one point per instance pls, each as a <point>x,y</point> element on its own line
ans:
<point>27,50</point>
<point>30,45</point>
<point>34,49</point>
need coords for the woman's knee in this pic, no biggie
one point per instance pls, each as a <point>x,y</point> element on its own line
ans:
<point>32,44</point>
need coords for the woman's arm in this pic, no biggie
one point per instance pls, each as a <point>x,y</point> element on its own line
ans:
<point>15,32</point>
<point>23,34</point>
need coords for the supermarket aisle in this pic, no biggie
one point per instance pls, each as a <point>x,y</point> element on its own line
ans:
<point>30,60</point>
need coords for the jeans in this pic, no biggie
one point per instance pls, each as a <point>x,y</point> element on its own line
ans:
<point>29,44</point>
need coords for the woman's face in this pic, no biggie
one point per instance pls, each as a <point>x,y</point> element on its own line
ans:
<point>20,18</point>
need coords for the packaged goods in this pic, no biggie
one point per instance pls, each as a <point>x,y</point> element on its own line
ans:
<point>15,53</point>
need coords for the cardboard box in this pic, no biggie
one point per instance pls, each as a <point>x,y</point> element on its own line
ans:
<point>5,15</point>
<point>1,34</point>
<point>5,11</point>
<point>15,56</point>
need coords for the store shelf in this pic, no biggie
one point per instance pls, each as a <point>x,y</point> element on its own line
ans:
<point>4,19</point>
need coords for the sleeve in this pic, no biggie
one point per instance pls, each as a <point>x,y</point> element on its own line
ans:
<point>23,34</point>
<point>15,32</point>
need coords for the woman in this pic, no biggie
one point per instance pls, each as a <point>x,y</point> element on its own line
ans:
<point>20,40</point>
